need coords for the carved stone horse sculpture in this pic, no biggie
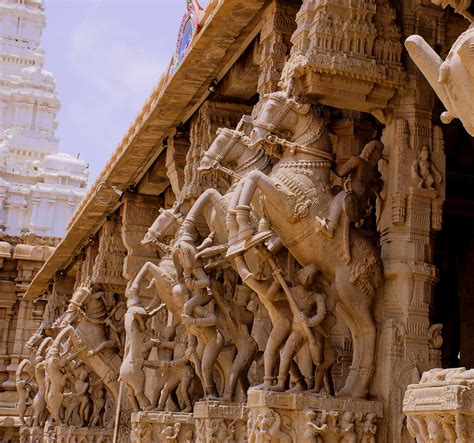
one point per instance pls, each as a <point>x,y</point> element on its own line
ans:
<point>231,145</point>
<point>453,78</point>
<point>84,324</point>
<point>163,275</point>
<point>296,196</point>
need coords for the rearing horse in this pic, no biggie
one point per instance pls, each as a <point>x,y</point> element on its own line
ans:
<point>296,196</point>
<point>84,324</point>
<point>233,147</point>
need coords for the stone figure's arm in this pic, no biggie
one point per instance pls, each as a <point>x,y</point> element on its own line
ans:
<point>209,320</point>
<point>163,344</point>
<point>273,290</point>
<point>201,281</point>
<point>321,310</point>
<point>248,278</point>
<point>176,362</point>
<point>347,168</point>
<point>83,390</point>
<point>435,171</point>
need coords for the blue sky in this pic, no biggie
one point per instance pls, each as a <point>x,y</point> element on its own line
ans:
<point>106,55</point>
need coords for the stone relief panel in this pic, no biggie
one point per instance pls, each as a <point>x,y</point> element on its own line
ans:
<point>439,408</point>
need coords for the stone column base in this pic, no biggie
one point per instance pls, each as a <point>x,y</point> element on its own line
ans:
<point>441,407</point>
<point>306,417</point>
<point>65,434</point>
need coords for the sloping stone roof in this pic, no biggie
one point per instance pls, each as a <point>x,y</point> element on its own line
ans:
<point>229,26</point>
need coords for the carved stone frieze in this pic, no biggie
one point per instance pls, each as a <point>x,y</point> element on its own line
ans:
<point>347,54</point>
<point>311,418</point>
<point>108,265</point>
<point>171,427</point>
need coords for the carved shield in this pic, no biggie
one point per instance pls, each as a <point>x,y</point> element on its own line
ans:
<point>351,206</point>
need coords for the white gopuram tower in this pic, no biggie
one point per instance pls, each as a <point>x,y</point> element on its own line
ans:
<point>39,187</point>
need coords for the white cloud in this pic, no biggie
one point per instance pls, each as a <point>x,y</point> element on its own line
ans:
<point>114,60</point>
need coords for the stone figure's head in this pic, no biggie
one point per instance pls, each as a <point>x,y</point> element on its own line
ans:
<point>425,153</point>
<point>372,152</point>
<point>308,276</point>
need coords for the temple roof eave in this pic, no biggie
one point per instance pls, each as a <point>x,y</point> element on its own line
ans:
<point>172,102</point>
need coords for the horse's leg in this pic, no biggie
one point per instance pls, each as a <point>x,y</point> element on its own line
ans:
<point>210,196</point>
<point>148,267</point>
<point>254,180</point>
<point>231,222</point>
<point>356,309</point>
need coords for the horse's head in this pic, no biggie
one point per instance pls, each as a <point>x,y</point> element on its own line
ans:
<point>227,148</point>
<point>33,342</point>
<point>165,225</point>
<point>73,312</point>
<point>279,114</point>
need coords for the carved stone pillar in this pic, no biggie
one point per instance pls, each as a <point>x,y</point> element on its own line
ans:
<point>414,191</point>
<point>138,213</point>
<point>278,24</point>
<point>176,151</point>
<point>108,266</point>
<point>210,117</point>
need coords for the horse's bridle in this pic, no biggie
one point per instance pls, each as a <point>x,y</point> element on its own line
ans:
<point>288,105</point>
<point>217,158</point>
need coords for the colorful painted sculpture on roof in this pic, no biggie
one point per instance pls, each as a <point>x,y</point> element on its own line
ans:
<point>187,31</point>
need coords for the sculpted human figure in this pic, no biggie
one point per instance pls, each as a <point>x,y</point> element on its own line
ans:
<point>361,180</point>
<point>315,431</point>
<point>39,401</point>
<point>424,172</point>
<point>55,383</point>
<point>268,428</point>
<point>97,395</point>
<point>78,399</point>
<point>203,325</point>
<point>24,387</point>
<point>273,298</point>
<point>312,311</point>
<point>137,346</point>
<point>369,428</point>
<point>235,321</point>
<point>170,433</point>
<point>347,428</point>
<point>178,371</point>
<point>191,270</point>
